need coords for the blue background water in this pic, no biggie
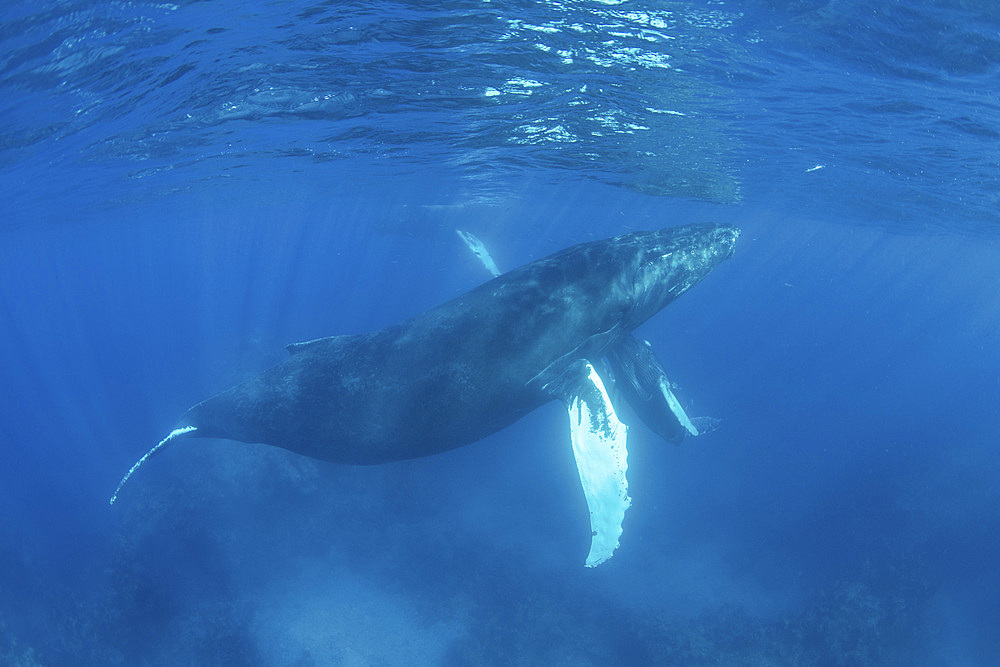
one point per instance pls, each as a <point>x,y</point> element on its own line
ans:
<point>188,187</point>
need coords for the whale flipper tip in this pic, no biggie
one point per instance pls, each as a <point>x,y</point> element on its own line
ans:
<point>177,432</point>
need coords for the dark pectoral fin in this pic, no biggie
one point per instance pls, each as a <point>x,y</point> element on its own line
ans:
<point>640,378</point>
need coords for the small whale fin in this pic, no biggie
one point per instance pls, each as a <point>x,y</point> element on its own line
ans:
<point>295,348</point>
<point>478,249</point>
<point>176,433</point>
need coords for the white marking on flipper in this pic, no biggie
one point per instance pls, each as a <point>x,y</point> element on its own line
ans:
<point>601,459</point>
<point>675,407</point>
<point>479,250</point>
<point>173,434</point>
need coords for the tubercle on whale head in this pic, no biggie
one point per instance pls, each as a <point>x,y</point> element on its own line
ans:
<point>673,260</point>
<point>724,238</point>
<point>710,240</point>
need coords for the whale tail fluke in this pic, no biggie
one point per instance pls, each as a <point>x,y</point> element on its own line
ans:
<point>176,433</point>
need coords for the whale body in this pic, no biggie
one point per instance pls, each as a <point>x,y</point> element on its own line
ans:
<point>476,364</point>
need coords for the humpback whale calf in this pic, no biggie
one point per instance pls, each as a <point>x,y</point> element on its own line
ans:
<point>478,363</point>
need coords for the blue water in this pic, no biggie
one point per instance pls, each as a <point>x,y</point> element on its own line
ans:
<point>185,188</point>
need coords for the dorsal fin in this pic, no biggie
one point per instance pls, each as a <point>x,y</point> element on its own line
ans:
<point>295,348</point>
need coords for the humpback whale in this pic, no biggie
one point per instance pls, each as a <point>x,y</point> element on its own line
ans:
<point>476,364</point>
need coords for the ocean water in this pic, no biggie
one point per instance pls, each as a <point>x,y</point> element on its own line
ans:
<point>185,188</point>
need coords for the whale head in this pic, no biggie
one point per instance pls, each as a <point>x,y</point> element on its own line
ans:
<point>671,261</point>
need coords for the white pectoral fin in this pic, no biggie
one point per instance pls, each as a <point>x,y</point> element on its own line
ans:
<point>478,248</point>
<point>601,459</point>
<point>676,408</point>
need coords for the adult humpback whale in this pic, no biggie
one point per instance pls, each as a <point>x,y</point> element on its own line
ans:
<point>478,363</point>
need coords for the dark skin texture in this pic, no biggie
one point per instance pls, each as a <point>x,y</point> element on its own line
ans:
<point>470,367</point>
